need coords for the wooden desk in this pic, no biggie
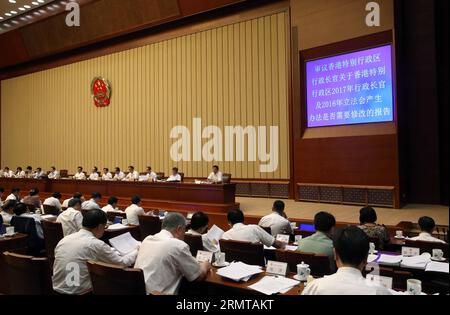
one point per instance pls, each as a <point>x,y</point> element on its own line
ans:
<point>161,195</point>
<point>132,229</point>
<point>213,280</point>
<point>15,243</point>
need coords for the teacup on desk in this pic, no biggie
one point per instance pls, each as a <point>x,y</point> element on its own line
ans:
<point>293,225</point>
<point>10,231</point>
<point>399,234</point>
<point>414,286</point>
<point>303,272</point>
<point>371,248</point>
<point>124,222</point>
<point>219,258</point>
<point>438,254</point>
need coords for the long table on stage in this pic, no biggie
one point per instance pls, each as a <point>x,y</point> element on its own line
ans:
<point>160,195</point>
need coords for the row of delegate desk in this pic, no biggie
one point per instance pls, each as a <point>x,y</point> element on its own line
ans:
<point>161,195</point>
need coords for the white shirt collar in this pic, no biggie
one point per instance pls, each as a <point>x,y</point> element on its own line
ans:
<point>349,271</point>
<point>165,234</point>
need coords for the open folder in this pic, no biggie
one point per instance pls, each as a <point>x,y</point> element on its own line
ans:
<point>124,243</point>
<point>238,271</point>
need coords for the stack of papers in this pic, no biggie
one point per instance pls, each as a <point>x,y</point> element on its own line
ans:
<point>291,248</point>
<point>118,226</point>
<point>272,285</point>
<point>269,248</point>
<point>238,271</point>
<point>390,260</point>
<point>437,267</point>
<point>215,233</point>
<point>371,258</point>
<point>416,262</point>
<point>124,244</point>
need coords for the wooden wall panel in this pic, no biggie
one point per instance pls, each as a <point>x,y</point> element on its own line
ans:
<point>231,75</point>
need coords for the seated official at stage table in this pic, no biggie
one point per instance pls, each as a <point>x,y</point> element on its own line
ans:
<point>76,195</point>
<point>106,174</point>
<point>39,173</point>
<point>20,173</point>
<point>150,176</point>
<point>427,226</point>
<point>132,175</point>
<point>79,175</point>
<point>14,195</point>
<point>54,201</point>
<point>29,172</point>
<point>112,204</point>
<point>94,174</point>
<point>277,220</point>
<point>92,203</point>
<point>118,174</point>
<point>134,211</point>
<point>199,226</point>
<point>73,251</point>
<point>248,233</point>
<point>54,174</point>
<point>7,173</point>
<point>71,219</point>
<point>215,176</point>
<point>351,247</point>
<point>321,242</point>
<point>165,258</point>
<point>175,177</point>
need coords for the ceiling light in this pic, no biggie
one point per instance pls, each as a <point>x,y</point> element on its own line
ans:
<point>1,17</point>
<point>12,1</point>
<point>34,3</point>
<point>13,12</point>
<point>22,9</point>
<point>8,14</point>
<point>26,6</point>
<point>40,1</point>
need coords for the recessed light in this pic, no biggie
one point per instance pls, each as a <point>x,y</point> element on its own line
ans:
<point>12,1</point>
<point>1,17</point>
<point>13,12</point>
<point>22,9</point>
<point>8,14</point>
<point>15,22</point>
<point>34,3</point>
<point>41,1</point>
<point>26,6</point>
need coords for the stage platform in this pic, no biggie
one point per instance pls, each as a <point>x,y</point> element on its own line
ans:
<point>343,213</point>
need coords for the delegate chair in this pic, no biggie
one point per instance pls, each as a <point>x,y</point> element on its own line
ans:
<point>226,178</point>
<point>182,176</point>
<point>51,210</point>
<point>115,280</point>
<point>27,275</point>
<point>53,233</point>
<point>246,252</point>
<point>64,173</point>
<point>160,175</point>
<point>149,225</point>
<point>427,247</point>
<point>17,244</point>
<point>267,229</point>
<point>113,214</point>
<point>304,234</point>
<point>319,264</point>
<point>27,226</point>
<point>195,243</point>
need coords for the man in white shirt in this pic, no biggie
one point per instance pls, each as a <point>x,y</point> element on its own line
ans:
<point>54,201</point>
<point>20,173</point>
<point>277,220</point>
<point>151,176</point>
<point>7,211</point>
<point>175,177</point>
<point>76,195</point>
<point>15,195</point>
<point>351,246</point>
<point>73,251</point>
<point>427,226</point>
<point>199,226</point>
<point>132,175</point>
<point>248,233</point>
<point>106,174</point>
<point>79,175</point>
<point>7,173</point>
<point>216,176</point>
<point>118,174</point>
<point>92,203</point>
<point>165,259</point>
<point>54,174</point>
<point>134,211</point>
<point>94,174</point>
<point>71,219</point>
<point>38,173</point>
<point>112,204</point>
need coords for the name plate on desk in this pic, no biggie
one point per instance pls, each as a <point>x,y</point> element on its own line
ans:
<point>410,251</point>
<point>283,238</point>
<point>203,256</point>
<point>383,281</point>
<point>276,268</point>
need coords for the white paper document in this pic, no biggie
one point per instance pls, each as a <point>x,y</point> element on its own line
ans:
<point>291,248</point>
<point>389,259</point>
<point>115,227</point>
<point>215,233</point>
<point>416,262</point>
<point>238,271</point>
<point>269,248</point>
<point>437,267</point>
<point>124,243</point>
<point>372,258</point>
<point>272,285</point>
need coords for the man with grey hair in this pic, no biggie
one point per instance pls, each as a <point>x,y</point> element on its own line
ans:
<point>165,258</point>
